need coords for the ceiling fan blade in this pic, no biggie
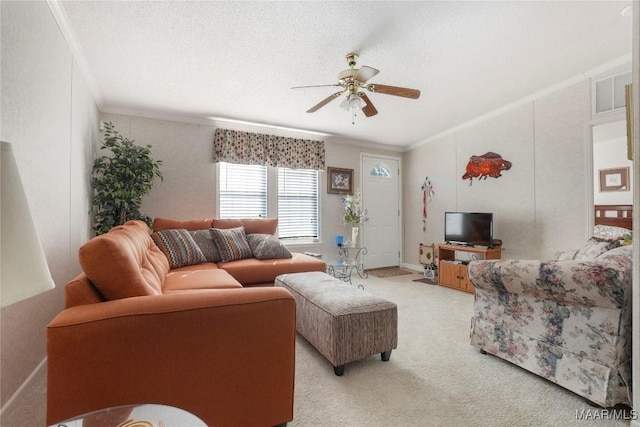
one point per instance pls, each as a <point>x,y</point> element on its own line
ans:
<point>368,110</point>
<point>324,102</point>
<point>365,73</point>
<point>304,87</point>
<point>394,90</point>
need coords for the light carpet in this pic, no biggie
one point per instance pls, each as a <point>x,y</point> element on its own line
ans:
<point>434,378</point>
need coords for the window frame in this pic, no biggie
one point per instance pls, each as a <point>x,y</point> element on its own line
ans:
<point>272,204</point>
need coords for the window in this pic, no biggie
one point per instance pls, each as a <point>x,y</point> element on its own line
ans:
<point>380,170</point>
<point>297,203</point>
<point>291,195</point>
<point>243,191</point>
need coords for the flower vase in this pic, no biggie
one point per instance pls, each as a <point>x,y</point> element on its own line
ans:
<point>354,236</point>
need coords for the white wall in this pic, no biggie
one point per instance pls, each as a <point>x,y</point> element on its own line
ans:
<point>188,190</point>
<point>50,118</point>
<point>539,205</point>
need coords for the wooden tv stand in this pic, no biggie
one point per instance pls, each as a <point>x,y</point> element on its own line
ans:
<point>453,273</point>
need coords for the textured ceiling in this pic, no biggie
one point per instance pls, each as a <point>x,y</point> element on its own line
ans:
<point>238,60</point>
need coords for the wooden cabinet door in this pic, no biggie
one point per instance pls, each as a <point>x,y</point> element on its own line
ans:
<point>448,274</point>
<point>464,281</point>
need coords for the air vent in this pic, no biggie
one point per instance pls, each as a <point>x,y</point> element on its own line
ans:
<point>609,93</point>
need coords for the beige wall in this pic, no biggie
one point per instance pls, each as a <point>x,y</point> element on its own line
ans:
<point>50,118</point>
<point>539,205</point>
<point>188,189</point>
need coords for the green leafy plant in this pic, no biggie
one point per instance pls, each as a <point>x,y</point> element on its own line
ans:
<point>120,180</point>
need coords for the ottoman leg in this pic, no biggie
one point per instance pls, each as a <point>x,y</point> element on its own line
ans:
<point>385,356</point>
<point>339,370</point>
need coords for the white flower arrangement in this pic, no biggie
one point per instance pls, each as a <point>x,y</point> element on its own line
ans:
<point>354,213</point>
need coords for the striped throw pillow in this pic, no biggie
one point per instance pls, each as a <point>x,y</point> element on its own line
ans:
<point>232,243</point>
<point>179,247</point>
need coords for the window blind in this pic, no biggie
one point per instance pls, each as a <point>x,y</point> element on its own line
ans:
<point>297,203</point>
<point>243,191</point>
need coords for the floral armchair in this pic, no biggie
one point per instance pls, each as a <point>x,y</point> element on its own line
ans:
<point>567,319</point>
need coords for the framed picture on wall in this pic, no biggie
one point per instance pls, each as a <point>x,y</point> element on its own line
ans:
<point>339,181</point>
<point>615,179</point>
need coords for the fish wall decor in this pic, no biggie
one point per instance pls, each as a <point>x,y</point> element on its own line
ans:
<point>489,164</point>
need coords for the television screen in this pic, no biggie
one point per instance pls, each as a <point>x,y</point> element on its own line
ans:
<point>468,228</point>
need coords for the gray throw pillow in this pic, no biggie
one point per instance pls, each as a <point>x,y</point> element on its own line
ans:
<point>266,246</point>
<point>204,240</point>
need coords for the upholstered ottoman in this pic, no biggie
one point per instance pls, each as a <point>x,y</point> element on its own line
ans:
<point>341,321</point>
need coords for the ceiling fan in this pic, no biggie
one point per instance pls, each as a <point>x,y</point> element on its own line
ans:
<point>352,81</point>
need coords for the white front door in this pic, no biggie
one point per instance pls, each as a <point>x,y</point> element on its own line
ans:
<point>381,198</point>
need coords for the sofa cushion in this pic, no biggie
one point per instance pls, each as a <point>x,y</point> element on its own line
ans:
<point>160,224</point>
<point>179,247</point>
<point>204,240</point>
<point>266,246</point>
<point>231,243</point>
<point>622,254</point>
<point>595,247</point>
<point>124,262</point>
<point>200,276</point>
<point>251,271</point>
<point>251,225</point>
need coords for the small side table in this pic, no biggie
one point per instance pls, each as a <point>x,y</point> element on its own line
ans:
<point>356,252</point>
<point>349,259</point>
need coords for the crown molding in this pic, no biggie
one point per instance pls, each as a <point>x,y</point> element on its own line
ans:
<point>247,126</point>
<point>76,51</point>
<point>593,72</point>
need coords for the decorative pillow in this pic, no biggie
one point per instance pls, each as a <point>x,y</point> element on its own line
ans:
<point>204,240</point>
<point>595,247</point>
<point>266,246</point>
<point>610,232</point>
<point>179,247</point>
<point>231,243</point>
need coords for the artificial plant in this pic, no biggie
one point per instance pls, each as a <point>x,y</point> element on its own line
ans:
<point>120,181</point>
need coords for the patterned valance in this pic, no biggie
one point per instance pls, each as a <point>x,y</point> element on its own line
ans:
<point>248,148</point>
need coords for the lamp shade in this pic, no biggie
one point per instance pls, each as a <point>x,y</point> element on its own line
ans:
<point>23,267</point>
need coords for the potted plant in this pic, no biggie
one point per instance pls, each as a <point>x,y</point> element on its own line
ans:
<point>120,180</point>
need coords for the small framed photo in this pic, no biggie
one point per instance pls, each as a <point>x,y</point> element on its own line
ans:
<point>616,179</point>
<point>339,181</point>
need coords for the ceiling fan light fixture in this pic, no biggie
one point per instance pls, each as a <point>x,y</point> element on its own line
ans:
<point>352,81</point>
<point>355,102</point>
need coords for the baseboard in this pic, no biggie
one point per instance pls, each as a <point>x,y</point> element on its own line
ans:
<point>416,267</point>
<point>23,387</point>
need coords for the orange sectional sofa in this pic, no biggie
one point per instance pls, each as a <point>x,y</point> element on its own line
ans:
<point>215,339</point>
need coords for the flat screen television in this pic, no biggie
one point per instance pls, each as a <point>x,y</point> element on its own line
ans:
<point>468,228</point>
